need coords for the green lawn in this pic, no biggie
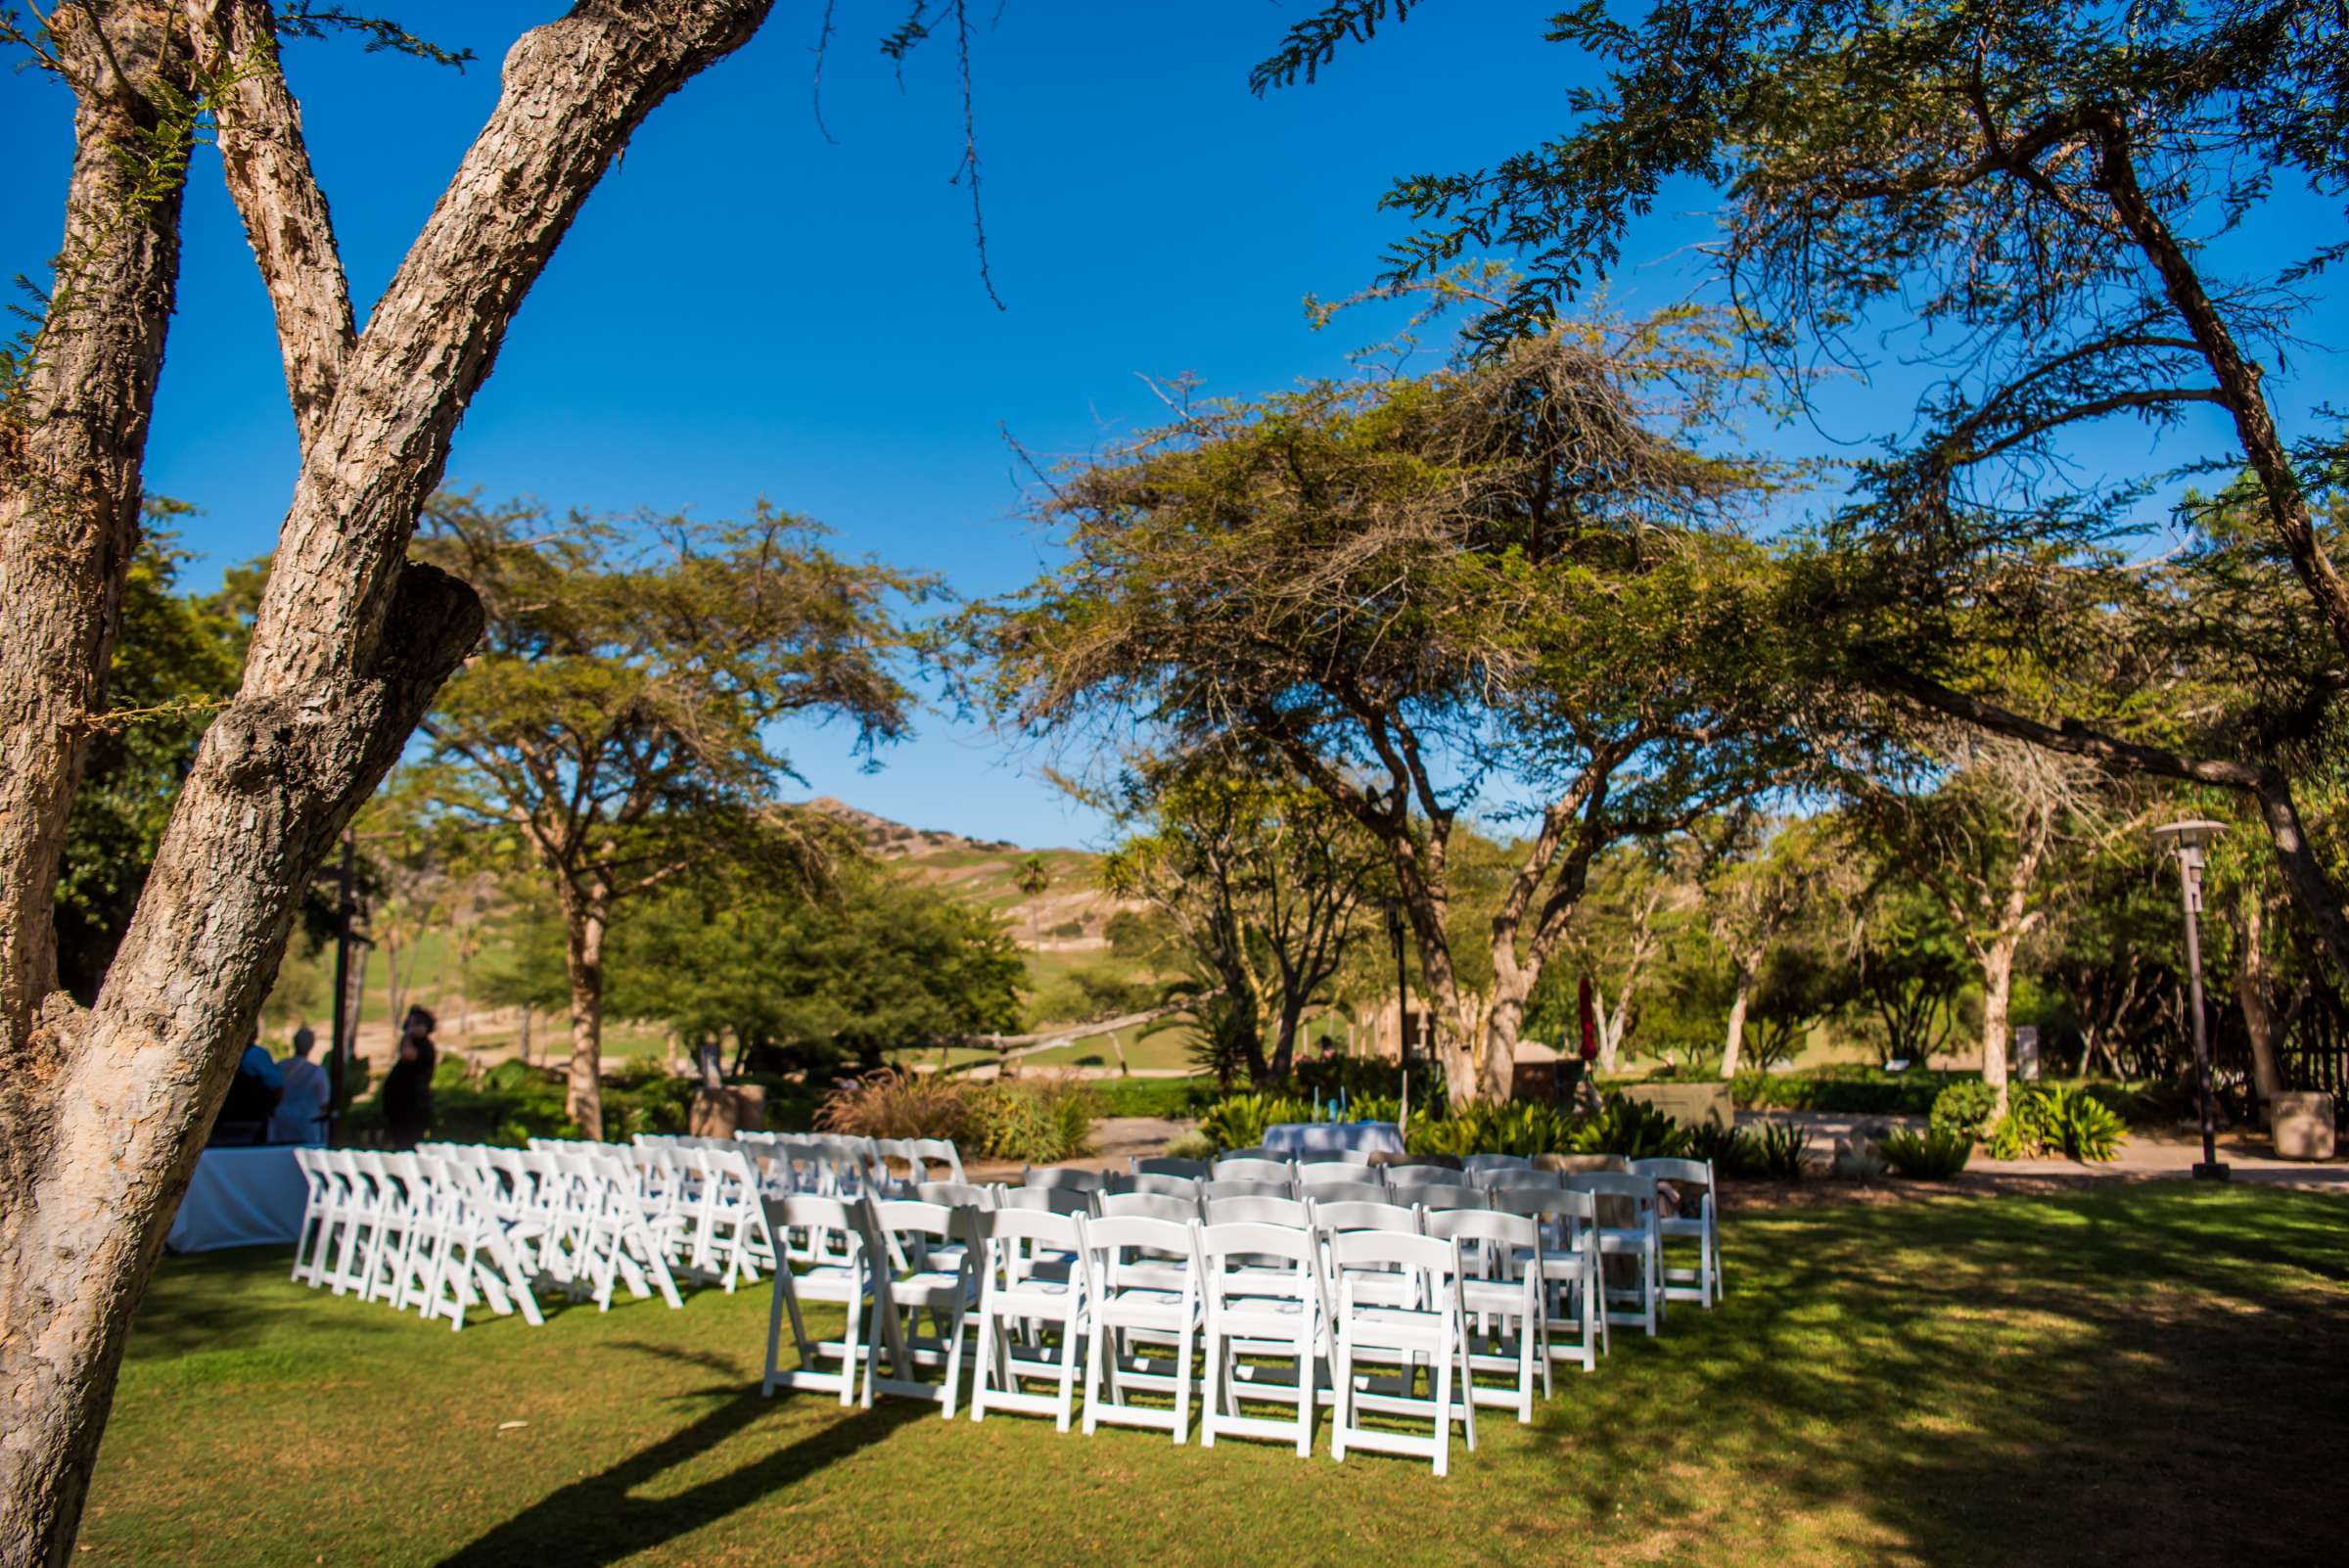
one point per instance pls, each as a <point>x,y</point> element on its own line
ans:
<point>2145,1375</point>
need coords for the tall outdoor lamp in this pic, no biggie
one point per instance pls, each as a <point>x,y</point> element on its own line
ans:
<point>2186,841</point>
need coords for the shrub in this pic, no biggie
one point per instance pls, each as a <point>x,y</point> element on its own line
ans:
<point>2043,1118</point>
<point>1517,1128</point>
<point>507,1076</point>
<point>1362,1078</point>
<point>1728,1148</point>
<point>1842,1091</point>
<point>1933,1156</point>
<point>1779,1150</point>
<point>1238,1121</point>
<point>1191,1145</point>
<point>897,1104</point>
<point>1632,1128</point>
<point>1035,1121</point>
<point>1963,1108</point>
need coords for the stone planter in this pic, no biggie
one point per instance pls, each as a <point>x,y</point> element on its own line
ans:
<point>1689,1104</point>
<point>2303,1126</point>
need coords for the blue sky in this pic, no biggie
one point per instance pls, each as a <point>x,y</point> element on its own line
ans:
<point>746,309</point>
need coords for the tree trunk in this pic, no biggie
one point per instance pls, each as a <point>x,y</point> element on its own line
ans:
<point>2258,1003</point>
<point>1998,988</point>
<point>523,1041</point>
<point>1611,1023</point>
<point>103,1113</point>
<point>1733,1045</point>
<point>585,924</point>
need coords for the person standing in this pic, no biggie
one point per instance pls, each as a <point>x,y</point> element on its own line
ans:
<point>408,1087</point>
<point>301,1114</point>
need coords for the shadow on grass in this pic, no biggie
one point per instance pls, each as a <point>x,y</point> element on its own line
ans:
<point>597,1521</point>
<point>2113,1378</point>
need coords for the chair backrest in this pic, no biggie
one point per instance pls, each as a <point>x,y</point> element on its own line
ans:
<point>1146,1249</point>
<point>1252,1169</point>
<point>1364,1215</point>
<point>1547,1203</point>
<point>1259,1250</point>
<point>1615,1184</point>
<point>896,1218</point>
<point>1306,1157</point>
<point>1255,1152</point>
<point>1432,1198</point>
<point>1400,1177</point>
<point>1148,1205</point>
<point>1221,1188</point>
<point>1694,1173</point>
<point>1354,1191</point>
<point>1044,1200</point>
<point>1062,1175</point>
<point>1485,1225</point>
<point>1167,1186</point>
<point>1012,1226</point>
<point>1257,1211</point>
<point>848,1217</point>
<point>1506,1180</point>
<point>927,1152</point>
<point>1474,1163</point>
<point>1160,1165</point>
<point>955,1194</point>
<point>1330,1172</point>
<point>1352,1254</point>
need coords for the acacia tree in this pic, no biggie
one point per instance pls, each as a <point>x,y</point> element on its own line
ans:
<point>1622,930</point>
<point>1261,878</point>
<point>2020,203</point>
<point>1411,590</point>
<point>615,716</point>
<point>103,1108</point>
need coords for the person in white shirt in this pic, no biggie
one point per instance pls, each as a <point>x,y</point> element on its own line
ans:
<point>301,1114</point>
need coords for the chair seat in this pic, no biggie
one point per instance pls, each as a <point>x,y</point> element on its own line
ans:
<point>1492,1296</point>
<point>1395,1328</point>
<point>1684,1227</point>
<point>1132,1306</point>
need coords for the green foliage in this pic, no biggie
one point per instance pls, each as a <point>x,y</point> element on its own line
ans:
<point>1164,1098</point>
<point>1088,995</point>
<point>1034,1121</point>
<point>1632,1128</point>
<point>2056,1119</point>
<point>879,961</point>
<point>1780,1152</point>
<point>1238,1121</point>
<point>1933,1156</point>
<point>1963,1109</point>
<point>1360,1078</point>
<point>1191,1145</point>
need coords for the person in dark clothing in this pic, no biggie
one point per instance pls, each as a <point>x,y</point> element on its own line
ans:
<point>408,1087</point>
<point>252,1096</point>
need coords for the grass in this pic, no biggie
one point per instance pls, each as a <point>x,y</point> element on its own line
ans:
<point>2137,1374</point>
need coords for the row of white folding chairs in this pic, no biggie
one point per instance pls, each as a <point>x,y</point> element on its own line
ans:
<point>831,1163</point>
<point>1128,1285</point>
<point>448,1226</point>
<point>1692,1213</point>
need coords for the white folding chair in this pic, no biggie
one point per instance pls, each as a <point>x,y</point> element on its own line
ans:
<point>319,1212</point>
<point>1237,1187</point>
<point>932,1267</point>
<point>1701,1285</point>
<point>1568,1262</point>
<point>1147,1206</point>
<point>1167,1186</point>
<point>1501,1292</point>
<point>1355,1191</point>
<point>1166,1165</point>
<point>1330,1172</point>
<point>1433,1196</point>
<point>1639,1243</point>
<point>1247,1169</point>
<point>1436,1332</point>
<point>842,1275</point>
<point>1017,1299</point>
<point>1063,1176</point>
<point>1260,1308</point>
<point>1142,1285</point>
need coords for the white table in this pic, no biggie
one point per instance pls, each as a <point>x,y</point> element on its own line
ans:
<point>240,1198</point>
<point>1318,1138</point>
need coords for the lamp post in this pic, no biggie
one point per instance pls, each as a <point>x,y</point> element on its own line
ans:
<point>1402,986</point>
<point>2187,839</point>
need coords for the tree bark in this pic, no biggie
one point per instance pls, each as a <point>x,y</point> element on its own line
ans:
<point>1733,1047</point>
<point>103,1113</point>
<point>1998,991</point>
<point>73,438</point>
<point>584,926</point>
<point>2252,992</point>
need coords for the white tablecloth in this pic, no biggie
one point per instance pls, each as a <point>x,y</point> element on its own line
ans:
<point>1312,1138</point>
<point>240,1198</point>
